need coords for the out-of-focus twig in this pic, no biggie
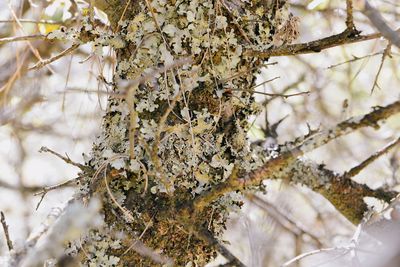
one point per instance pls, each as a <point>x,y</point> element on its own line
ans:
<point>379,22</point>
<point>283,95</point>
<point>26,189</point>
<point>342,251</point>
<point>22,38</point>
<point>283,219</point>
<point>355,58</point>
<point>31,21</point>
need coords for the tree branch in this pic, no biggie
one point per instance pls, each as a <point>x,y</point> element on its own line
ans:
<point>63,53</point>
<point>357,169</point>
<point>209,238</point>
<point>6,233</point>
<point>283,219</point>
<point>66,159</point>
<point>22,38</point>
<point>350,125</point>
<point>346,195</point>
<point>379,22</point>
<point>316,46</point>
<point>349,18</point>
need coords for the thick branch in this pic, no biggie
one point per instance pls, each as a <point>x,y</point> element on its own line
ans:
<point>350,125</point>
<point>346,195</point>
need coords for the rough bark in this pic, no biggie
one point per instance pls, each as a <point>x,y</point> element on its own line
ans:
<point>181,129</point>
<point>173,150</point>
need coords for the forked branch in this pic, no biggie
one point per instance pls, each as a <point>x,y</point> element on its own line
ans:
<point>346,195</point>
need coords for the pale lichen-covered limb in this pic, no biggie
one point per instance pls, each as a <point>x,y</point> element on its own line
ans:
<point>48,242</point>
<point>371,119</point>
<point>345,194</point>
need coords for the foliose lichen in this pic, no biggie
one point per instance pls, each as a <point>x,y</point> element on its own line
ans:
<point>190,57</point>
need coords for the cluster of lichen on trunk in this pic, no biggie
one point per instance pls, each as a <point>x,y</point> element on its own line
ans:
<point>193,52</point>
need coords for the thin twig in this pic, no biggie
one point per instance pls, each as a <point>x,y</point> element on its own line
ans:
<point>279,95</point>
<point>316,46</point>
<point>130,95</point>
<point>283,219</point>
<point>270,94</point>
<point>357,169</point>
<point>47,189</point>
<point>31,21</point>
<point>148,225</point>
<point>286,89</point>
<point>125,211</point>
<point>265,82</point>
<point>6,233</point>
<point>56,186</point>
<point>235,21</point>
<point>66,159</point>
<point>146,178</point>
<point>368,120</point>
<point>385,54</point>
<point>96,179</point>
<point>123,15</point>
<point>240,73</point>
<point>157,139</point>
<point>154,17</point>
<point>35,52</point>
<point>314,252</point>
<point>355,58</point>
<point>45,62</point>
<point>22,38</point>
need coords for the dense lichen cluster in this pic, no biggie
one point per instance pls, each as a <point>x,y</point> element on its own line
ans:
<point>205,134</point>
<point>191,58</point>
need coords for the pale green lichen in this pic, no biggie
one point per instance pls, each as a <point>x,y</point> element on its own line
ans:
<point>205,135</point>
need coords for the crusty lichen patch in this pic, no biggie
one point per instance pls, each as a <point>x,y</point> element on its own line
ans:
<point>209,101</point>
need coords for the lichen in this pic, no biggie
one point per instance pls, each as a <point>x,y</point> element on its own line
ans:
<point>191,58</point>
